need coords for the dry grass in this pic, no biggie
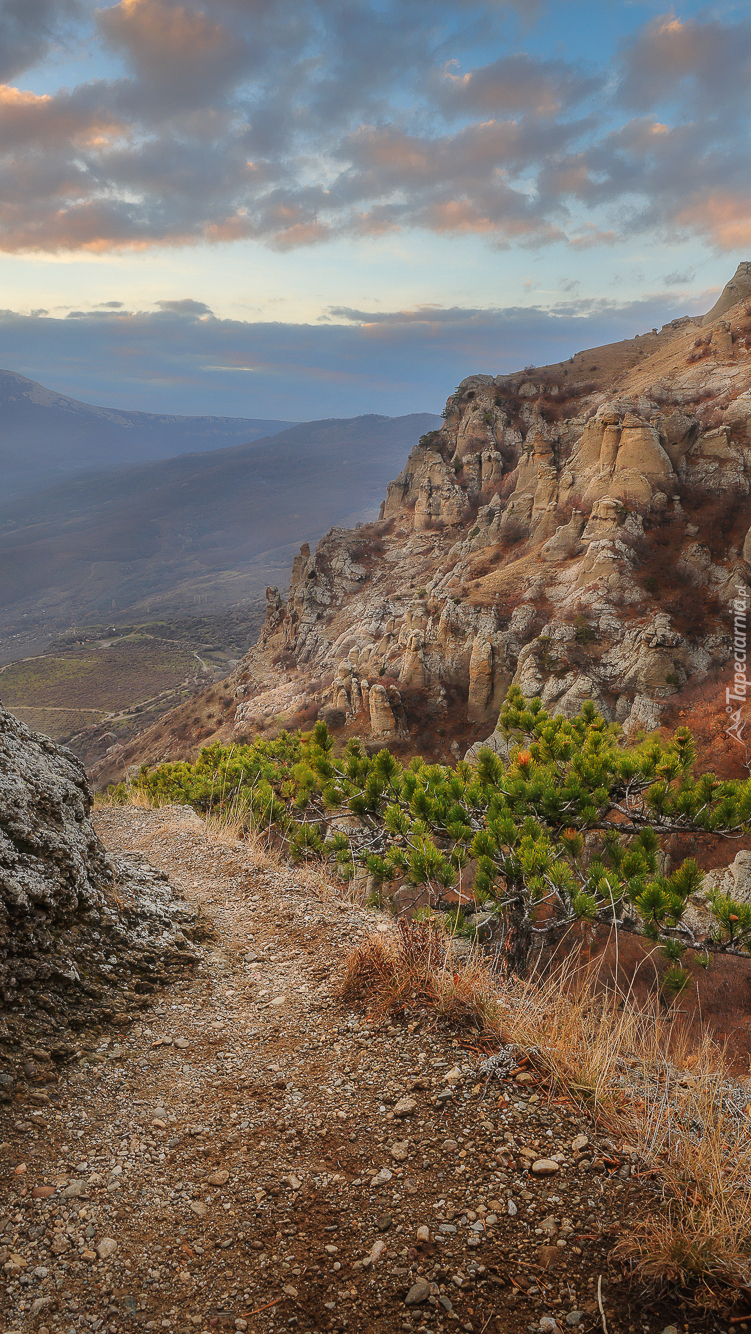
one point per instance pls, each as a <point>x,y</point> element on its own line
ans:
<point>135,797</point>
<point>640,1076</point>
<point>226,827</point>
<point>411,969</point>
<point>632,1068</point>
<point>591,1042</point>
<point>700,1236</point>
<point>263,854</point>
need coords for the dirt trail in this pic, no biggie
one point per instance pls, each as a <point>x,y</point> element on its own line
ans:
<point>241,1156</point>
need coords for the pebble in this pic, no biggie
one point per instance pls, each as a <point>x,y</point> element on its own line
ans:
<point>419,1292</point>
<point>404,1107</point>
<point>182,1042</point>
<point>42,1192</point>
<point>381,1177</point>
<point>548,1324</point>
<point>512,1209</point>
<point>106,1248</point>
<point>218,1178</point>
<point>379,1249</point>
<point>399,1150</point>
<point>579,1143</point>
<point>423,1233</point>
<point>574,1318</point>
<point>545,1167</point>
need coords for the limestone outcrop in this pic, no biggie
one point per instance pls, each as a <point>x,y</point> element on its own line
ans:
<point>582,536</point>
<point>738,289</point>
<point>82,936</point>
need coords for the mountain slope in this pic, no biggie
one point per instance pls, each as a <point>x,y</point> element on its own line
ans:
<point>198,528</point>
<point>583,530</point>
<point>46,437</point>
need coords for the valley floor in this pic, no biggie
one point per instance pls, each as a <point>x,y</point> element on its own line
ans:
<point>237,1156</point>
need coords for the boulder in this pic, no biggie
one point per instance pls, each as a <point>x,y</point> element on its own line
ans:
<point>65,906</point>
<point>495,742</point>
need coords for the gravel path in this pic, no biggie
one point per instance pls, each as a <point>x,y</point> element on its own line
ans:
<point>248,1153</point>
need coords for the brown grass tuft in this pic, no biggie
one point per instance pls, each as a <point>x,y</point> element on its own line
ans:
<point>411,968</point>
<point>700,1234</point>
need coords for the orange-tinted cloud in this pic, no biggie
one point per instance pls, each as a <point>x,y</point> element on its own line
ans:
<point>707,60</point>
<point>299,121</point>
<point>29,120</point>
<point>726,218</point>
<point>182,56</point>
<point>515,84</point>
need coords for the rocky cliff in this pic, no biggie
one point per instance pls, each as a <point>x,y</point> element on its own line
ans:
<point>579,529</point>
<point>82,936</point>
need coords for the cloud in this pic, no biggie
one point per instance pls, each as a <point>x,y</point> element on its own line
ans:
<point>28,28</point>
<point>42,123</point>
<point>358,360</point>
<point>514,84</point>
<point>298,122</point>
<point>185,306</point>
<point>181,57</point>
<point>678,279</point>
<point>704,61</point>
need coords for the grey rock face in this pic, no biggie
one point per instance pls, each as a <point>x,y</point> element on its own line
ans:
<point>81,936</point>
<point>734,291</point>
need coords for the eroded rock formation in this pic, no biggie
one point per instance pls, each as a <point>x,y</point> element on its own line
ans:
<point>82,935</point>
<point>583,537</point>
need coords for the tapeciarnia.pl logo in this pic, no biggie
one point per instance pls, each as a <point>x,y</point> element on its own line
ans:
<point>739,692</point>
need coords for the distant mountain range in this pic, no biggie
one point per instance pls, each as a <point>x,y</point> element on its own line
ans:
<point>195,532</point>
<point>46,437</point>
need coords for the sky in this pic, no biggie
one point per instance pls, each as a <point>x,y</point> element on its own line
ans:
<point>312,208</point>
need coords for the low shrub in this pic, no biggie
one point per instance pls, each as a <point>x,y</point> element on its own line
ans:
<point>525,826</point>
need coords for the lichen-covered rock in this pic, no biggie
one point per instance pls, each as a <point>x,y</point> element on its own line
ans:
<point>81,935</point>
